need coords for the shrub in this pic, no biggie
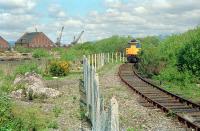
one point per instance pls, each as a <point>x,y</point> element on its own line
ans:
<point>40,53</point>
<point>59,68</point>
<point>189,57</point>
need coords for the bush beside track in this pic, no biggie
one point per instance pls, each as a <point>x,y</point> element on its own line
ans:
<point>174,61</point>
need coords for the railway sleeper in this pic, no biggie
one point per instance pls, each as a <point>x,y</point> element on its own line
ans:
<point>183,111</point>
<point>155,97</point>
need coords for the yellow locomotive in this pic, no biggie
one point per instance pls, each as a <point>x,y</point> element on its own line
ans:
<point>132,51</point>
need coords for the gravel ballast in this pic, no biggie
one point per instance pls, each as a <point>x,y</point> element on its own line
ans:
<point>132,114</point>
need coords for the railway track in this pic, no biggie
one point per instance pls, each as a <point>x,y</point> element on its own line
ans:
<point>184,110</point>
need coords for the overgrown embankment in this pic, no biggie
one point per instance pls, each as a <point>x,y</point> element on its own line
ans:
<point>175,61</point>
<point>112,44</point>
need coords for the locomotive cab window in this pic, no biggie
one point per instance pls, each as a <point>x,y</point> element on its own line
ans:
<point>138,45</point>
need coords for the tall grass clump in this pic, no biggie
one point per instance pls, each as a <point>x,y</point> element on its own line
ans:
<point>22,49</point>
<point>8,122</point>
<point>40,53</point>
<point>27,67</point>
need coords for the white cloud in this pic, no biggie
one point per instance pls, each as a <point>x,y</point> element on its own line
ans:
<point>137,18</point>
<point>56,11</point>
<point>14,4</point>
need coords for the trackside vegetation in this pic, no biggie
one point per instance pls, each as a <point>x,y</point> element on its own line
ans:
<point>175,62</point>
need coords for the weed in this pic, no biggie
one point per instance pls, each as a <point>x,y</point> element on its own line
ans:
<point>53,125</point>
<point>40,53</point>
<point>27,67</point>
<point>171,114</point>
<point>133,129</point>
<point>83,113</point>
<point>57,111</point>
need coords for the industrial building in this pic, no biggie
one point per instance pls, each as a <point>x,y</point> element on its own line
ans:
<point>34,40</point>
<point>3,44</point>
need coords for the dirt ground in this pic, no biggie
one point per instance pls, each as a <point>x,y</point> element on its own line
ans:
<point>133,115</point>
<point>65,110</point>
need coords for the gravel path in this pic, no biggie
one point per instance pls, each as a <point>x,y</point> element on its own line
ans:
<point>132,114</point>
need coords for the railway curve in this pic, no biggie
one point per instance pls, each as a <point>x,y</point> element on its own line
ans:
<point>184,110</point>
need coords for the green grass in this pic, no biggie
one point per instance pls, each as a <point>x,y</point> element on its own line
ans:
<point>27,67</point>
<point>15,117</point>
<point>57,111</point>
<point>40,53</point>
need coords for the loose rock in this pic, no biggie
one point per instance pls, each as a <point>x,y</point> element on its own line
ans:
<point>32,86</point>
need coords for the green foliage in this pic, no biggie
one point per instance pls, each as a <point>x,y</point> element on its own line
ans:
<point>53,125</point>
<point>23,49</point>
<point>112,44</point>
<point>27,67</point>
<point>149,64</point>
<point>59,68</point>
<point>57,110</point>
<point>133,129</point>
<point>18,118</point>
<point>7,120</point>
<point>172,75</point>
<point>158,57</point>
<point>6,85</point>
<point>174,61</point>
<point>33,118</point>
<point>40,53</point>
<point>1,73</point>
<point>189,57</point>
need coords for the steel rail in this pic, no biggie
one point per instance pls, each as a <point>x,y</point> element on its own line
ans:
<point>191,105</point>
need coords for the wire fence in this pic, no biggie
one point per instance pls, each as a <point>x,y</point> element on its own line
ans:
<point>101,120</point>
<point>100,59</point>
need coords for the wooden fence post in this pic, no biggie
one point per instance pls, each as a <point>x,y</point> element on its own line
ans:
<point>120,57</point>
<point>123,56</point>
<point>95,62</point>
<point>108,57</point>
<point>116,57</point>
<point>112,57</point>
<point>114,115</point>
<point>103,59</point>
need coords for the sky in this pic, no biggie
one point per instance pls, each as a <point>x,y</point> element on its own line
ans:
<point>98,18</point>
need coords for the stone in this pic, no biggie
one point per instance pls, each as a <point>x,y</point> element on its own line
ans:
<point>35,87</point>
<point>17,94</point>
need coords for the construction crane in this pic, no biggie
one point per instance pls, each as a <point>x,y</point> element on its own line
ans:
<point>58,43</point>
<point>75,41</point>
